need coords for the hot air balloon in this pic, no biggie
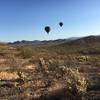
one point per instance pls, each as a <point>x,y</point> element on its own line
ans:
<point>47,29</point>
<point>61,24</point>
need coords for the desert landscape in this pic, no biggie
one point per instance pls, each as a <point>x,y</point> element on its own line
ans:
<point>64,69</point>
<point>49,49</point>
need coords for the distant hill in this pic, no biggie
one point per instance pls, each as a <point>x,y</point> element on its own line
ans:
<point>84,45</point>
<point>89,40</point>
<point>45,42</point>
<point>74,41</point>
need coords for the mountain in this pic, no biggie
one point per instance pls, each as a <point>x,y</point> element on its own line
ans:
<point>84,45</point>
<point>44,42</point>
<point>89,41</point>
<point>84,41</point>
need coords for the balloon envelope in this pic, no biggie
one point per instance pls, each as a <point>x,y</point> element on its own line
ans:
<point>47,29</point>
<point>61,24</point>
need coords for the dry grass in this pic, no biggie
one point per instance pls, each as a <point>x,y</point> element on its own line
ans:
<point>47,70</point>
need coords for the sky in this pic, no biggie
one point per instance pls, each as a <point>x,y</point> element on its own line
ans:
<point>26,19</point>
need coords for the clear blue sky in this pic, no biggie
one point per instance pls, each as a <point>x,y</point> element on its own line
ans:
<point>26,19</point>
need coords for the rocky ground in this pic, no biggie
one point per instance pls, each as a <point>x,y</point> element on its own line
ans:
<point>40,81</point>
<point>61,78</point>
<point>65,72</point>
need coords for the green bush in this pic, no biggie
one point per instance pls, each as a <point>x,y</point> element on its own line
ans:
<point>26,52</point>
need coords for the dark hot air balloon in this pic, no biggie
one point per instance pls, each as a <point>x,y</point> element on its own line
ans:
<point>47,29</point>
<point>61,24</point>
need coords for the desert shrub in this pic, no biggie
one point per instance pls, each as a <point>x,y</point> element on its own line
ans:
<point>91,51</point>
<point>75,83</point>
<point>70,78</point>
<point>26,52</point>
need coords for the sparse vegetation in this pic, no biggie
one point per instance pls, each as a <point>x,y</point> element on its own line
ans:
<point>61,71</point>
<point>26,52</point>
